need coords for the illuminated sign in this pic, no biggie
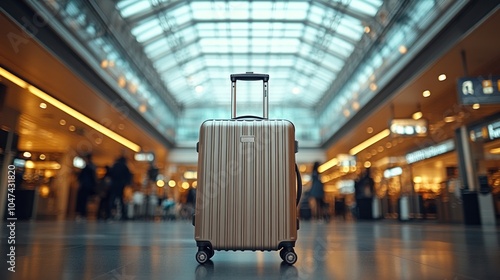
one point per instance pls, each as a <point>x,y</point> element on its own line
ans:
<point>393,172</point>
<point>431,151</point>
<point>479,90</point>
<point>487,132</point>
<point>408,127</point>
<point>494,130</point>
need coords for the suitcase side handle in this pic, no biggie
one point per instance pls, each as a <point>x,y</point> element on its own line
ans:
<point>299,185</point>
<point>250,76</point>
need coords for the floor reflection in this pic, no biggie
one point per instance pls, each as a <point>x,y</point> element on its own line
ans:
<point>336,250</point>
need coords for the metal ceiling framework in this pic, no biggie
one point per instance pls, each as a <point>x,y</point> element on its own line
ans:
<point>173,58</point>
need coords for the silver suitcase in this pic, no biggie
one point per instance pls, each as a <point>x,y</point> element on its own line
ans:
<point>248,183</point>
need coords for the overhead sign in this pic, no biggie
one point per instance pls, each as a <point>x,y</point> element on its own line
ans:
<point>408,127</point>
<point>485,133</point>
<point>432,151</point>
<point>480,90</point>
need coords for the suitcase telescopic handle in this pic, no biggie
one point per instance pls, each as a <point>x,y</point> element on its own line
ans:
<point>250,76</point>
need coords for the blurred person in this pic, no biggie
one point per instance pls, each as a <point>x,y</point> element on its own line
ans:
<point>317,191</point>
<point>120,177</point>
<point>103,191</point>
<point>87,180</point>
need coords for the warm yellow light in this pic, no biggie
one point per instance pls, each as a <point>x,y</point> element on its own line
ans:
<point>29,164</point>
<point>403,49</point>
<point>9,76</point>
<point>367,164</point>
<point>442,77</point>
<point>381,135</point>
<point>449,119</point>
<point>70,111</point>
<point>84,119</point>
<point>26,154</point>
<point>476,106</point>
<point>417,115</point>
<point>426,93</point>
<point>417,180</point>
<point>185,185</point>
<point>44,191</point>
<point>327,165</point>
<point>495,151</point>
<point>160,183</point>
<point>171,183</point>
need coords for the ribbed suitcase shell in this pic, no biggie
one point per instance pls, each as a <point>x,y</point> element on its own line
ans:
<point>246,191</point>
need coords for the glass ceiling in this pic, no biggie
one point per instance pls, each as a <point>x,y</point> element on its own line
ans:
<point>195,45</point>
<point>171,60</point>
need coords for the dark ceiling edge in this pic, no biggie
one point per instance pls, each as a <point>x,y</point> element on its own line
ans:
<point>472,14</point>
<point>20,11</point>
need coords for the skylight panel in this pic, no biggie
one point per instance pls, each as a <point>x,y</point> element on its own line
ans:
<point>144,26</point>
<point>149,33</point>
<point>365,7</point>
<point>129,8</point>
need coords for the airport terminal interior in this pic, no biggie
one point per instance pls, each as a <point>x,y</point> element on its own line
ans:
<point>398,101</point>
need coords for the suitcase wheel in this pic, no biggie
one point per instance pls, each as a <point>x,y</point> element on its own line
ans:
<point>204,254</point>
<point>288,255</point>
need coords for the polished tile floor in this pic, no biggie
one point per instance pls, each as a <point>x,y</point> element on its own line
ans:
<point>336,250</point>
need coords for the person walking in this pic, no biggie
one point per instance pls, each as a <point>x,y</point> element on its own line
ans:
<point>317,192</point>
<point>87,180</point>
<point>120,177</point>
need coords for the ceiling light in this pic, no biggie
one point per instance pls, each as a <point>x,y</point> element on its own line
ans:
<point>449,119</point>
<point>327,165</point>
<point>296,90</point>
<point>417,115</point>
<point>199,89</point>
<point>104,63</point>
<point>62,122</point>
<point>11,77</point>
<point>70,111</point>
<point>403,49</point>
<point>72,128</point>
<point>369,130</point>
<point>43,105</point>
<point>122,82</point>
<point>347,113</point>
<point>143,108</point>
<point>442,77</point>
<point>42,157</point>
<point>476,106</point>
<point>373,86</point>
<point>367,29</point>
<point>426,93</point>
<point>355,105</point>
<point>367,164</point>
<point>381,135</point>
<point>171,183</point>
<point>495,151</point>
<point>27,154</point>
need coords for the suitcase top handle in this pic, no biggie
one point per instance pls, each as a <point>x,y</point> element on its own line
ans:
<point>250,76</point>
